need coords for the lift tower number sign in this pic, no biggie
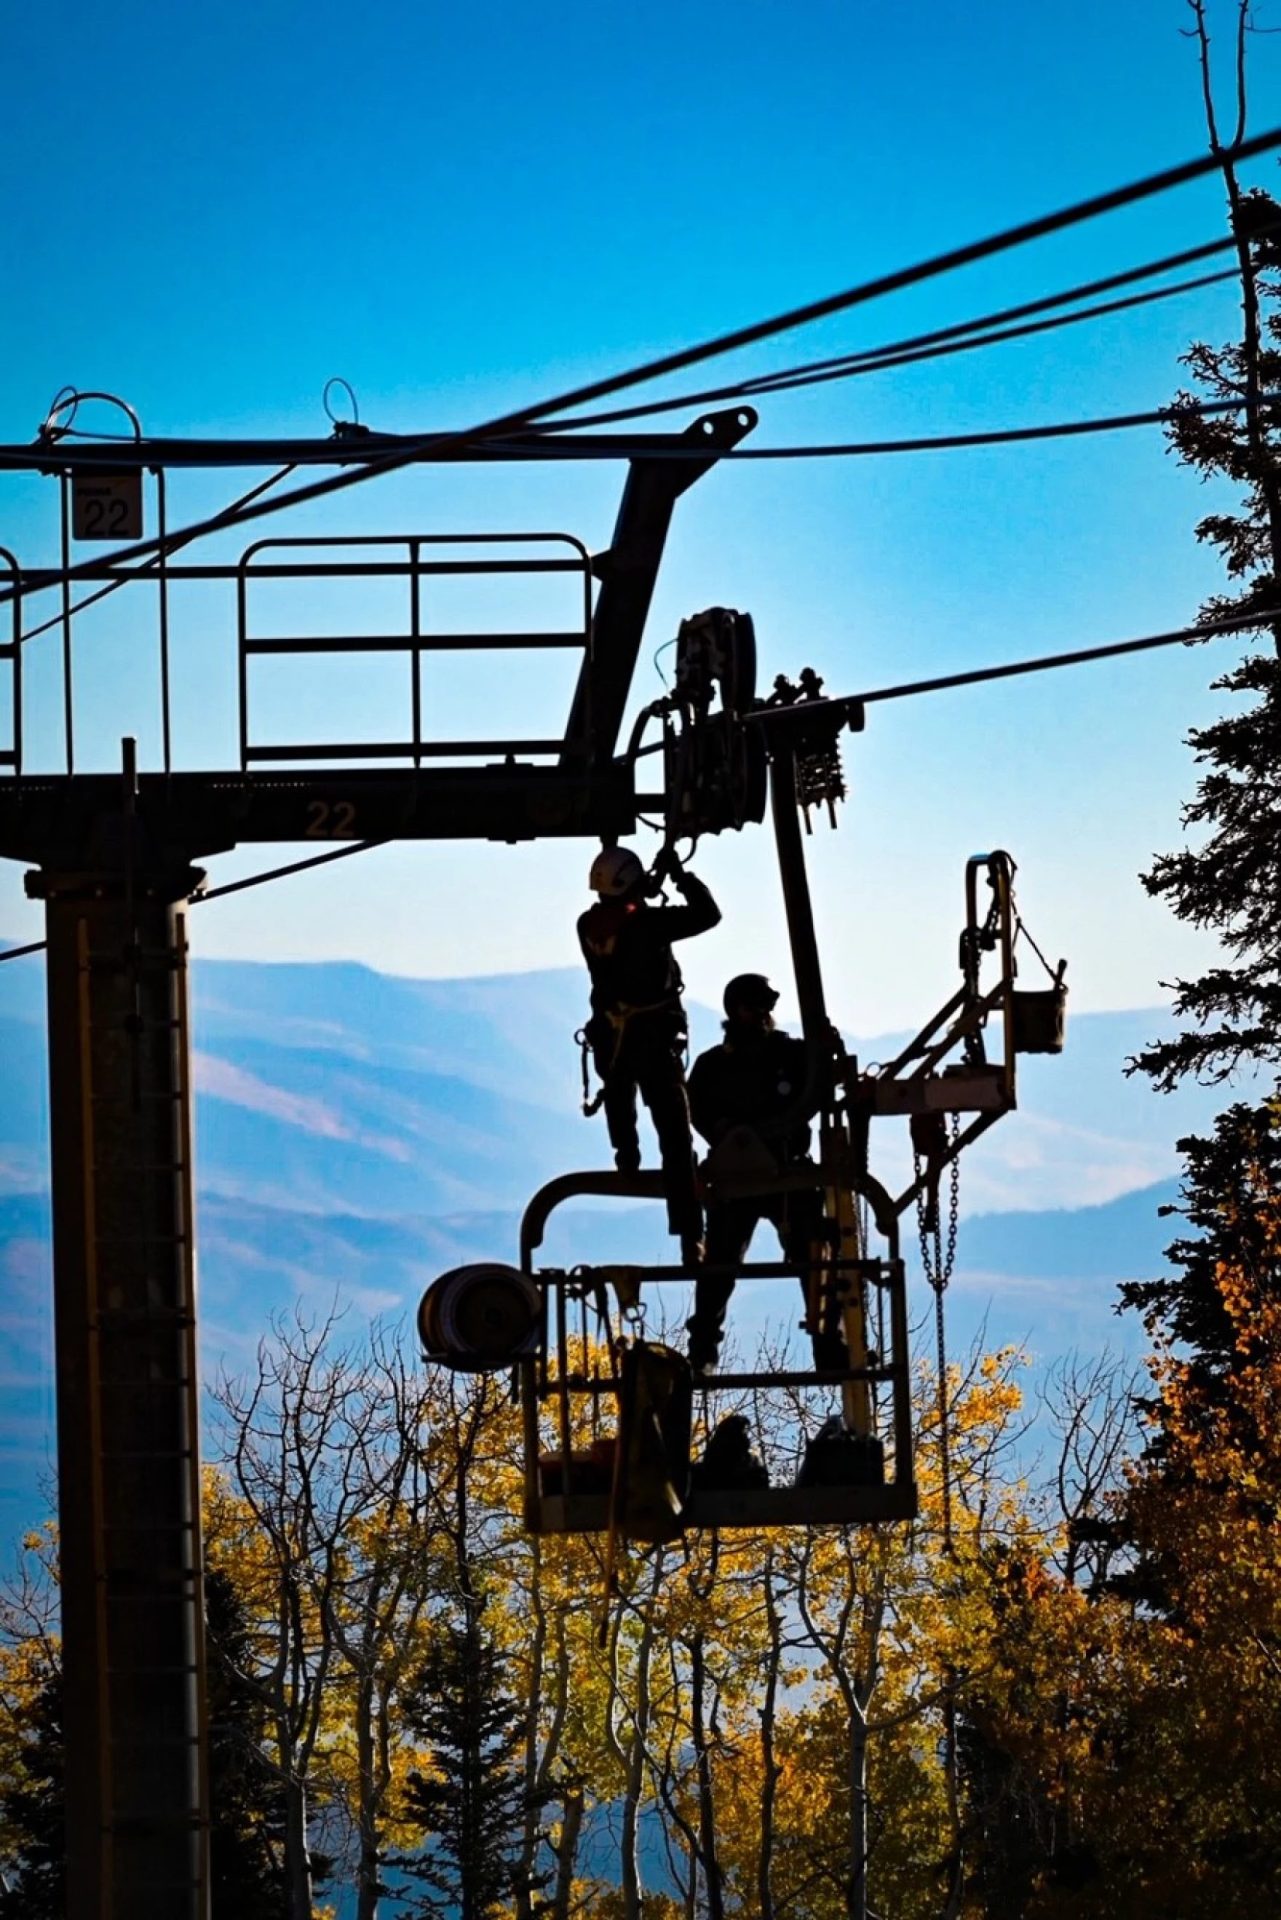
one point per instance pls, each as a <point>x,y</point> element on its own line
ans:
<point>106,506</point>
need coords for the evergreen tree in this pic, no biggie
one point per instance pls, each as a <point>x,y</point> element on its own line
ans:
<point>246,1880</point>
<point>246,1871</point>
<point>1227,881</point>
<point>471,1803</point>
<point>1225,1179</point>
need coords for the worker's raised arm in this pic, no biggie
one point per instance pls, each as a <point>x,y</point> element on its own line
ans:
<point>698,915</point>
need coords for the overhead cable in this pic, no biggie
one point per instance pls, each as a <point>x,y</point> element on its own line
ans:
<point>280,873</point>
<point>237,886</point>
<point>995,336</point>
<point>927,443</point>
<point>773,716</point>
<point>677,447</point>
<point>17,953</point>
<point>963,338</point>
<point>1209,630</point>
<point>989,330</point>
<point>897,281</point>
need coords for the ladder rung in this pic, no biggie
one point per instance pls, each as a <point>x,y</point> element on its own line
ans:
<point>130,1585</point>
<point>139,1241</point>
<point>146,1453</point>
<point>144,1166</point>
<point>147,1316</point>
<point>127,1095</point>
<point>164,1740</point>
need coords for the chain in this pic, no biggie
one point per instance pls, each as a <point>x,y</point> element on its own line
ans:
<point>939,1258</point>
<point>938,1265</point>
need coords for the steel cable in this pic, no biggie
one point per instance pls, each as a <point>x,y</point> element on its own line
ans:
<point>896,281</point>
<point>925,443</point>
<point>988,330</point>
<point>238,886</point>
<point>1208,631</point>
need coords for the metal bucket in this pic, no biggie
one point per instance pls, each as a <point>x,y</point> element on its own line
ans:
<point>1039,1019</point>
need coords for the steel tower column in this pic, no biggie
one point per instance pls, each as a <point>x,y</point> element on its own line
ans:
<point>128,1452</point>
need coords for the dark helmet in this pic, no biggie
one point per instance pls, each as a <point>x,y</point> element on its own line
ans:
<point>749,990</point>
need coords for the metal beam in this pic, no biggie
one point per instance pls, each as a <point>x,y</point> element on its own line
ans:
<point>53,820</point>
<point>125,456</point>
<point>627,572</point>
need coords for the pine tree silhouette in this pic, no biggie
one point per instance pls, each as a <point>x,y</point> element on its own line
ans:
<point>471,1803</point>
<point>1228,881</point>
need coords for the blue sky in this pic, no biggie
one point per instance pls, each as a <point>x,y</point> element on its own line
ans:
<point>211,211</point>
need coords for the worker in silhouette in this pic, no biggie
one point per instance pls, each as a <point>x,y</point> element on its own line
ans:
<point>637,1030</point>
<point>753,1085</point>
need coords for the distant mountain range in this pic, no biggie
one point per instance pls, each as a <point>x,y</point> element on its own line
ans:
<point>356,1133</point>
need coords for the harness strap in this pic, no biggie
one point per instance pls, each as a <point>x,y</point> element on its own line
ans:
<point>619,1018</point>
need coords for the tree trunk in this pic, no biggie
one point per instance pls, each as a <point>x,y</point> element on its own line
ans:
<point>629,1846</point>
<point>297,1852</point>
<point>523,1891</point>
<point>567,1853</point>
<point>770,1768</point>
<point>368,1860</point>
<point>856,1903</point>
<point>706,1804</point>
<point>628,1853</point>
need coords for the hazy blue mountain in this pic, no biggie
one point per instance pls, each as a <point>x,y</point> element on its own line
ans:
<point>357,1133</point>
<point>332,1088</point>
<point>1044,1281</point>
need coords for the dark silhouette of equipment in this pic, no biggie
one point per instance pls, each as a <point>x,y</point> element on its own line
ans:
<point>116,859</point>
<point>480,1318</point>
<point>857,1465</point>
<point>728,1460</point>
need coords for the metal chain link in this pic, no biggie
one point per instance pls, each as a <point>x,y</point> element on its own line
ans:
<point>937,1263</point>
<point>938,1266</point>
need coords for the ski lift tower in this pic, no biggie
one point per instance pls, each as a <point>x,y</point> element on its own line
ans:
<point>115,856</point>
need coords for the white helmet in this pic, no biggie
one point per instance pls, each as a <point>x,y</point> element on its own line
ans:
<point>615,870</point>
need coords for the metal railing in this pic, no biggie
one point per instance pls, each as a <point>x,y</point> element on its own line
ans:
<point>563,1396</point>
<point>414,639</point>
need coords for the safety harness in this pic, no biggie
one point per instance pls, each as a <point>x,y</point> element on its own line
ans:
<point>619,1019</point>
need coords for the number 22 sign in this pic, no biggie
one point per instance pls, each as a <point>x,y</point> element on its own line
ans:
<point>106,506</point>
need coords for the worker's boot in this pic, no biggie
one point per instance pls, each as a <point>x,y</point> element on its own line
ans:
<point>693,1249</point>
<point>703,1348</point>
<point>831,1355</point>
